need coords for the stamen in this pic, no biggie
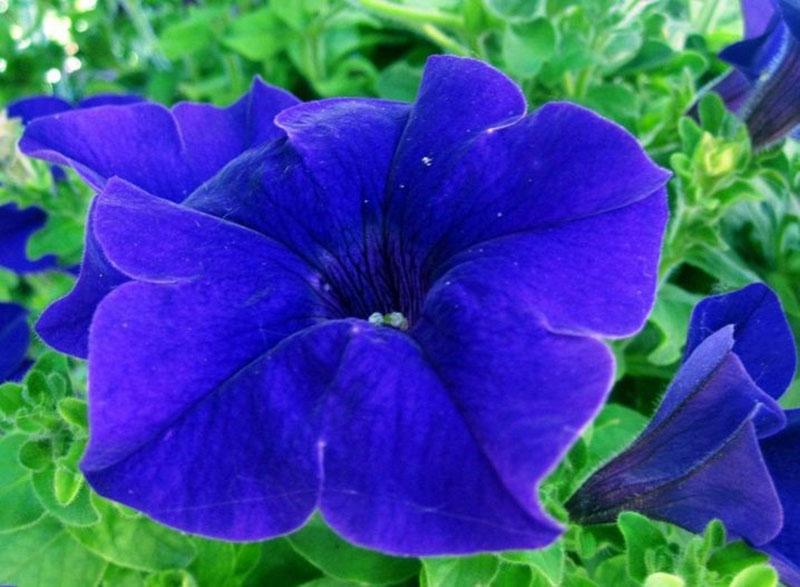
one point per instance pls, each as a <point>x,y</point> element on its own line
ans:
<point>393,319</point>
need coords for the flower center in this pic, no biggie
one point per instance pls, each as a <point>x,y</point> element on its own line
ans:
<point>393,319</point>
<point>375,281</point>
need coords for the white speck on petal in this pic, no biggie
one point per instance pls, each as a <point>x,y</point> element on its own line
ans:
<point>427,161</point>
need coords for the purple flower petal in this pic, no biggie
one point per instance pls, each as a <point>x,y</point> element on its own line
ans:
<point>781,453</point>
<point>64,324</point>
<point>773,111</point>
<point>608,284</point>
<point>170,152</point>
<point>790,11</point>
<point>757,316</point>
<point>236,460</point>
<point>734,88</point>
<point>34,107</point>
<point>510,175</point>
<point>501,395</point>
<point>416,464</point>
<point>757,15</point>
<point>31,108</point>
<point>733,485</point>
<point>14,340</point>
<point>109,100</point>
<point>768,61</point>
<point>754,55</point>
<point>266,293</point>
<point>150,146</point>
<point>213,136</point>
<point>16,227</point>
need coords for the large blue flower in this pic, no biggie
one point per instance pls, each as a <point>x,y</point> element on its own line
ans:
<point>764,87</point>
<point>719,445</point>
<point>244,370</point>
<point>16,226</point>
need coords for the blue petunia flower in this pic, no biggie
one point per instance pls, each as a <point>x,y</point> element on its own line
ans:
<point>764,87</point>
<point>14,339</point>
<point>17,225</point>
<point>385,312</point>
<point>719,445</point>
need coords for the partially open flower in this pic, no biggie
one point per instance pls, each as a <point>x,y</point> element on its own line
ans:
<point>764,87</point>
<point>719,445</point>
<point>385,312</point>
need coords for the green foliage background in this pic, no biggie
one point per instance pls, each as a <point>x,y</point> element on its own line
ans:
<point>643,63</point>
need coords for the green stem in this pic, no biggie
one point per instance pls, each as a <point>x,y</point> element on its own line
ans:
<point>444,41</point>
<point>420,16</point>
<point>145,31</point>
<point>708,16</point>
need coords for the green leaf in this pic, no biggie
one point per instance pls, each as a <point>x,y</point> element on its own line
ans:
<point>215,562</point>
<point>11,399</point>
<point>733,558</point>
<point>339,559</point>
<point>280,564</point>
<point>399,81</point>
<point>79,512</point>
<point>511,575</point>
<point>192,34</point>
<point>66,485</point>
<point>527,46</point>
<point>61,235</point>
<point>52,362</point>
<point>121,577</point>
<point>731,271</point>
<point>664,580</point>
<point>714,537</point>
<point>258,35</point>
<point>652,55</point>
<point>614,571</point>
<point>36,455</point>
<point>712,113</point>
<point>515,9</point>
<point>45,555</point>
<point>615,101</point>
<point>641,536</point>
<point>73,410</point>
<point>468,571</point>
<point>157,547</point>
<point>612,431</point>
<point>671,315</point>
<point>171,578</point>
<point>549,561</point>
<point>18,504</point>
<point>756,576</point>
<point>328,582</point>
